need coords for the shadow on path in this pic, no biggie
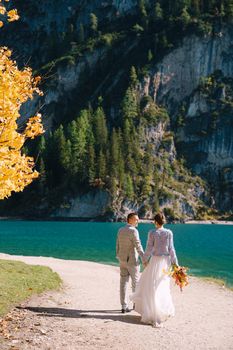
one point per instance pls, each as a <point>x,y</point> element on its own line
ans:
<point>113,315</point>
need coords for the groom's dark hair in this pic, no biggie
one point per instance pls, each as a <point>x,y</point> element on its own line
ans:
<point>130,215</point>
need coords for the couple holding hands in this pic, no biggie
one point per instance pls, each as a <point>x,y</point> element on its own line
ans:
<point>151,291</point>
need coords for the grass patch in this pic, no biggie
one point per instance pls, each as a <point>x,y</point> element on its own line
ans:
<point>220,282</point>
<point>18,281</point>
<point>217,281</point>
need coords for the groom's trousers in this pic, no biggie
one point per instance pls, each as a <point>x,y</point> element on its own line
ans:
<point>127,271</point>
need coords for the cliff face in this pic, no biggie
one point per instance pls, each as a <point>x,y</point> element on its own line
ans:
<point>90,205</point>
<point>206,143</point>
<point>39,35</point>
<point>208,150</point>
<point>179,73</point>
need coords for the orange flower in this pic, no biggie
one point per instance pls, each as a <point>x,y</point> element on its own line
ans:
<point>179,274</point>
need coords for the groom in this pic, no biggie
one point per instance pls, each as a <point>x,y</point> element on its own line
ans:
<point>128,249</point>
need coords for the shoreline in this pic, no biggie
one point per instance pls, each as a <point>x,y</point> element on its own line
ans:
<point>209,222</point>
<point>209,279</point>
<point>103,220</point>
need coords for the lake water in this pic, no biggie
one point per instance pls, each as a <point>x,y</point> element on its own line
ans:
<point>206,249</point>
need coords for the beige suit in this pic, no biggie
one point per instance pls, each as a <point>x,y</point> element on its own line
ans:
<point>128,250</point>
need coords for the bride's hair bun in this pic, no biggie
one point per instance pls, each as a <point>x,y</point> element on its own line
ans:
<point>160,218</point>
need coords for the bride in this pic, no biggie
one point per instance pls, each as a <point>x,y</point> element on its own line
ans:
<point>152,298</point>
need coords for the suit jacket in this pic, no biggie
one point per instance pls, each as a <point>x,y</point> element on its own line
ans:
<point>128,246</point>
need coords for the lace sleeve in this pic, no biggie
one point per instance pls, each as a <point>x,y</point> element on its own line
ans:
<point>172,251</point>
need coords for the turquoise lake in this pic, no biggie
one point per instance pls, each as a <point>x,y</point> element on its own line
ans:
<point>206,249</point>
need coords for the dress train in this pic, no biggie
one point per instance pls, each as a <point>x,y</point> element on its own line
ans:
<point>152,296</point>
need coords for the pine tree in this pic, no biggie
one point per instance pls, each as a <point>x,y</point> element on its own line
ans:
<point>121,162</point>
<point>136,149</point>
<point>163,42</point>
<point>128,187</point>
<point>156,180</point>
<point>61,147</point>
<point>143,13</point>
<point>130,101</point>
<point>150,56</point>
<point>93,23</point>
<point>91,166</point>
<point>79,135</point>
<point>148,161</point>
<point>133,82</point>
<point>126,137</point>
<point>222,10</point>
<point>155,205</point>
<point>158,12</point>
<point>113,187</point>
<point>130,104</point>
<point>179,5</point>
<point>228,4</point>
<point>82,131</point>
<point>185,16</point>
<point>116,160</point>
<point>42,179</point>
<point>146,187</point>
<point>73,136</point>
<point>142,8</point>
<point>67,157</point>
<point>100,129</point>
<point>55,151</point>
<point>114,154</point>
<point>101,163</point>
<point>166,171</point>
<point>130,165</point>
<point>41,145</point>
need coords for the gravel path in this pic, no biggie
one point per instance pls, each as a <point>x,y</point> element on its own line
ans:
<point>85,314</point>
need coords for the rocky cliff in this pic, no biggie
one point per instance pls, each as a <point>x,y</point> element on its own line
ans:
<point>40,35</point>
<point>173,83</point>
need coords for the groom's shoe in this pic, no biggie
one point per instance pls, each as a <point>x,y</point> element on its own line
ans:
<point>125,310</point>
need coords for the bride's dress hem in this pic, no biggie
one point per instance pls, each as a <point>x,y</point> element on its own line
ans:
<point>152,297</point>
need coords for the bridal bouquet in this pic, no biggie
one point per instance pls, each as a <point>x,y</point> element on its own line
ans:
<point>179,274</point>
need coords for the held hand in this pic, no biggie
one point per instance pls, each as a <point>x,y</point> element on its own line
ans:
<point>145,264</point>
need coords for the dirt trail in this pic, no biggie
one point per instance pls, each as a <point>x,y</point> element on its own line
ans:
<point>85,314</point>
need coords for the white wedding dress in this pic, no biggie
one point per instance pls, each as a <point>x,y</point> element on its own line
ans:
<point>152,296</point>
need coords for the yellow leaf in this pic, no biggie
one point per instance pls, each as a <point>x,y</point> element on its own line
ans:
<point>2,10</point>
<point>12,15</point>
<point>17,86</point>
